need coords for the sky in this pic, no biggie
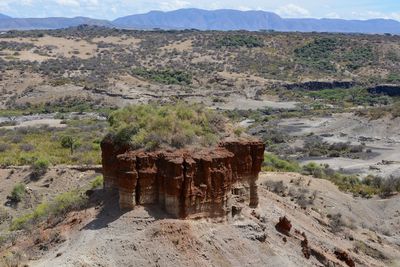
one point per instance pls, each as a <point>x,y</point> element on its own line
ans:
<point>111,9</point>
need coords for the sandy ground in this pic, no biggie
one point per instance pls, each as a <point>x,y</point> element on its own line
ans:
<point>147,237</point>
<point>118,40</point>
<point>381,136</point>
<point>237,102</point>
<point>66,47</point>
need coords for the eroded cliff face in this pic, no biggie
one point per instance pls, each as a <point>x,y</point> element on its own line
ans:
<point>185,183</point>
<point>386,89</point>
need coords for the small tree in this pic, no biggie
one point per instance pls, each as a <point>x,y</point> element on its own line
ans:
<point>68,142</point>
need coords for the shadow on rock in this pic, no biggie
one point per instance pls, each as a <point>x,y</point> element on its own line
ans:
<point>110,210</point>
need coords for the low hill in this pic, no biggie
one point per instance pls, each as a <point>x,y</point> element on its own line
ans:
<point>48,23</point>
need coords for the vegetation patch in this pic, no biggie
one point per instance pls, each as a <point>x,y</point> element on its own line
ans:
<point>97,182</point>
<point>315,146</point>
<point>376,113</point>
<point>61,205</point>
<point>39,168</point>
<point>62,105</point>
<point>166,76</point>
<point>248,41</point>
<point>154,126</point>
<point>348,183</point>
<point>46,146</point>
<point>18,192</point>
<point>318,53</point>
<point>359,56</point>
<point>353,96</point>
<point>273,163</point>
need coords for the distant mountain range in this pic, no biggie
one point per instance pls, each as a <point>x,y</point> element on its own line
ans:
<point>2,16</point>
<point>223,19</point>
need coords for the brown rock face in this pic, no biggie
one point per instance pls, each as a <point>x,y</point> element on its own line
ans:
<point>284,226</point>
<point>183,182</point>
<point>304,247</point>
<point>344,256</point>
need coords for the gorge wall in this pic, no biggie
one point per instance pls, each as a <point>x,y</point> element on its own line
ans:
<point>185,183</point>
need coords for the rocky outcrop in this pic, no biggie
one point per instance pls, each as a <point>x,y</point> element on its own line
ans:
<point>185,183</point>
<point>345,257</point>
<point>304,247</point>
<point>386,89</point>
<point>319,85</point>
<point>284,226</point>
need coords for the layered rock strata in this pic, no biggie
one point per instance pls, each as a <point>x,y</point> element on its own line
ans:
<point>185,183</point>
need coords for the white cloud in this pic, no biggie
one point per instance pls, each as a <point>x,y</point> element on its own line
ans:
<point>332,15</point>
<point>175,4</point>
<point>292,10</point>
<point>72,3</point>
<point>376,14</point>
<point>244,8</point>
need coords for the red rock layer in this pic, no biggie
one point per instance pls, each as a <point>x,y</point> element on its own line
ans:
<point>184,183</point>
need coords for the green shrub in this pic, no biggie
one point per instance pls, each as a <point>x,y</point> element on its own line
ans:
<point>359,56</point>
<point>69,142</point>
<point>273,163</point>
<point>239,41</point>
<point>97,182</point>
<point>178,125</point>
<point>318,53</point>
<point>39,168</point>
<point>314,169</point>
<point>18,192</point>
<point>165,76</point>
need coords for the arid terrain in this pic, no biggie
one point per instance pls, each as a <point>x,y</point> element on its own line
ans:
<point>367,229</point>
<point>326,105</point>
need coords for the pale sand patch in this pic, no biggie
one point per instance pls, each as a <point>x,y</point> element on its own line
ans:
<point>26,55</point>
<point>180,46</point>
<point>54,123</point>
<point>62,46</point>
<point>204,59</point>
<point>129,41</point>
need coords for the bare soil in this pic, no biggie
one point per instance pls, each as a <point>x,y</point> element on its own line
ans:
<point>146,236</point>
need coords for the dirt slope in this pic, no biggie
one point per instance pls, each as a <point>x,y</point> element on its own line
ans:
<point>146,237</point>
